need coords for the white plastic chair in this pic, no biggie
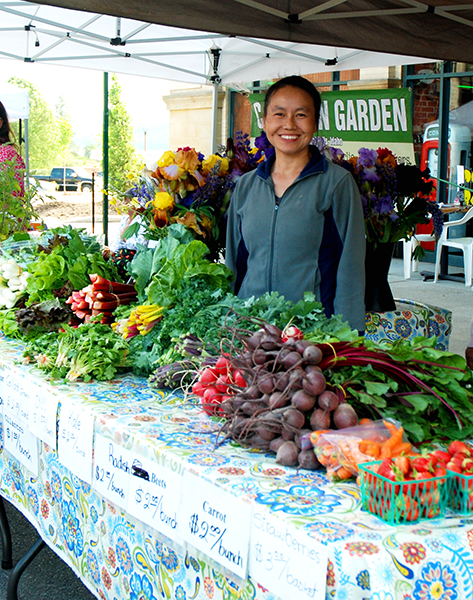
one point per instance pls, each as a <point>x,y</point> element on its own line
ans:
<point>465,244</point>
<point>408,250</point>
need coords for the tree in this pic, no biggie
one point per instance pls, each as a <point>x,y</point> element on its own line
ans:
<point>43,131</point>
<point>66,132</point>
<point>122,158</point>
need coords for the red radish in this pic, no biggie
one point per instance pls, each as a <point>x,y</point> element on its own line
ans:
<point>291,332</point>
<point>198,388</point>
<point>208,376</point>
<point>222,365</point>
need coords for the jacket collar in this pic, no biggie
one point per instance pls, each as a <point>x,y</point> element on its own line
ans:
<point>316,164</point>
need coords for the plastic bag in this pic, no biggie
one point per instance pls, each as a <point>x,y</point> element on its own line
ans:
<point>340,451</point>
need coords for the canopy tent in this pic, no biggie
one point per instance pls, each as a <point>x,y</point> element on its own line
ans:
<point>48,34</point>
<point>431,28</point>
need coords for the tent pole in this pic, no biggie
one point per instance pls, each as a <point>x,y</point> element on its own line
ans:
<point>27,153</point>
<point>213,134</point>
<point>105,158</point>
<point>444,108</point>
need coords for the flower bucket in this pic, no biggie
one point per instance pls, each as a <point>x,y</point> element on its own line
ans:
<point>410,319</point>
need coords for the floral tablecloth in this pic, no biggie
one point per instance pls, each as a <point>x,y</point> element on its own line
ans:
<point>120,558</point>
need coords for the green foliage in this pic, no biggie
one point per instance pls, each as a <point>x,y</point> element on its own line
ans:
<point>43,130</point>
<point>65,265</point>
<point>122,158</point>
<point>90,351</point>
<point>16,211</point>
<point>66,131</point>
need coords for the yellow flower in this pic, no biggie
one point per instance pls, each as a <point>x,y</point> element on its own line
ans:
<point>163,200</point>
<point>166,159</point>
<point>130,176</point>
<point>209,163</point>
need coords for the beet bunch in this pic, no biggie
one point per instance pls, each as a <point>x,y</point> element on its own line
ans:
<point>285,396</point>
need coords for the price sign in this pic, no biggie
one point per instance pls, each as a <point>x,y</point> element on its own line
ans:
<point>43,414</point>
<point>75,439</point>
<point>2,391</point>
<point>112,467</point>
<point>16,397</point>
<point>20,442</point>
<point>285,560</point>
<point>215,522</point>
<point>154,496</point>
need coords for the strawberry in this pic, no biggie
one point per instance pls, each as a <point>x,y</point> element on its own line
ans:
<point>458,446</point>
<point>403,464</point>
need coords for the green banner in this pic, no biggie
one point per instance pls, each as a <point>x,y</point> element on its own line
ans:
<point>368,116</point>
<point>360,118</point>
<point>257,104</point>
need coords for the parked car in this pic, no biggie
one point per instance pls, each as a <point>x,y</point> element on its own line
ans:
<point>74,178</point>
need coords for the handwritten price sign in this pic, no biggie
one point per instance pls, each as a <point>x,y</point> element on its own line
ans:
<point>215,522</point>
<point>43,414</point>
<point>75,438</point>
<point>154,496</point>
<point>20,442</point>
<point>285,560</point>
<point>112,467</point>
<point>16,395</point>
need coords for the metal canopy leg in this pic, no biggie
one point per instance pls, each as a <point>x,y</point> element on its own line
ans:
<point>21,565</point>
<point>5,535</point>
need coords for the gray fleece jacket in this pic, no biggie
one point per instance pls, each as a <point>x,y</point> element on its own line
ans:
<point>311,239</point>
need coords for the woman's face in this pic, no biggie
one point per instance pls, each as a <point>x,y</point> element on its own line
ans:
<point>290,121</point>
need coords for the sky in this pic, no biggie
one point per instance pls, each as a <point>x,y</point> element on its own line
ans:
<point>83,91</point>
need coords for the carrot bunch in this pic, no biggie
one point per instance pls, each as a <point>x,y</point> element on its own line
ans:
<point>101,297</point>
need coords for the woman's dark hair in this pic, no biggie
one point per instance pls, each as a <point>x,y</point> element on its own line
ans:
<point>5,131</point>
<point>298,82</point>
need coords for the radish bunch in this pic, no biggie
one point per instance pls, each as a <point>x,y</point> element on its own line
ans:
<point>284,396</point>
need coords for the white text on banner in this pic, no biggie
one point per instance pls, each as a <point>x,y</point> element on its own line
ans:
<point>20,442</point>
<point>154,496</point>
<point>215,522</point>
<point>286,560</point>
<point>112,468</point>
<point>43,414</point>
<point>75,439</point>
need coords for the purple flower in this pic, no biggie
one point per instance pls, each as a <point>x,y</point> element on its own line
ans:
<point>367,158</point>
<point>370,174</point>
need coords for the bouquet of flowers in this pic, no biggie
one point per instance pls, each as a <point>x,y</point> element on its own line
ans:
<point>395,196</point>
<point>185,187</point>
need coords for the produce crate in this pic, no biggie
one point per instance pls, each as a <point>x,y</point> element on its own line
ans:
<point>460,493</point>
<point>402,501</point>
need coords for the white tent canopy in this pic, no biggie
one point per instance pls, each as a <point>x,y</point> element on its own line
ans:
<point>47,34</point>
<point>16,102</point>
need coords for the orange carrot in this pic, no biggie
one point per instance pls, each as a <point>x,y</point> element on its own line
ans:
<point>403,448</point>
<point>390,427</point>
<point>370,448</point>
<point>343,473</point>
<point>390,444</point>
<point>365,421</point>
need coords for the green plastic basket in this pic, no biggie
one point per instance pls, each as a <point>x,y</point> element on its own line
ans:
<point>460,497</point>
<point>402,501</point>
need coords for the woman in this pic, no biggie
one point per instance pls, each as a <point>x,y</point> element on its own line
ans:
<point>295,224</point>
<point>9,153</point>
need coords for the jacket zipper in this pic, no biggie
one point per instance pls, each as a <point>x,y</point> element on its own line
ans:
<point>273,227</point>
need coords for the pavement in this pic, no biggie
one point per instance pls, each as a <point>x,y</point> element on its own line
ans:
<point>49,578</point>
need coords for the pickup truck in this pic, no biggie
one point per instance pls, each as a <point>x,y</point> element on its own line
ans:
<point>76,179</point>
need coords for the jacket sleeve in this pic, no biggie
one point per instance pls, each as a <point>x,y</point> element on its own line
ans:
<point>233,238</point>
<point>348,214</point>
